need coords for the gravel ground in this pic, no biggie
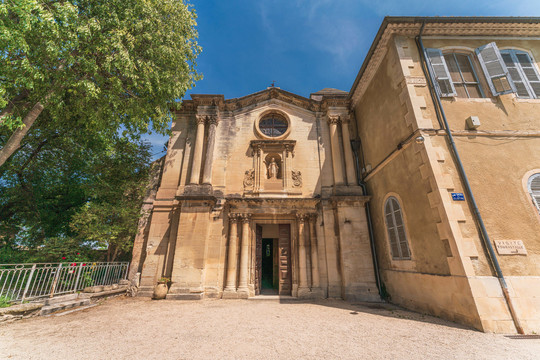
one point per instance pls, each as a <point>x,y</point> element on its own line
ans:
<point>127,328</point>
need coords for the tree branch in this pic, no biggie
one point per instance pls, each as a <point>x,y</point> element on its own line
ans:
<point>15,139</point>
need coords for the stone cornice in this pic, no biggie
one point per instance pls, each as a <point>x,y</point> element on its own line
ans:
<point>496,27</point>
<point>190,106</point>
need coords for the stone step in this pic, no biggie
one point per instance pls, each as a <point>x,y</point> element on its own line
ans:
<point>120,290</point>
<point>60,299</point>
<point>63,306</point>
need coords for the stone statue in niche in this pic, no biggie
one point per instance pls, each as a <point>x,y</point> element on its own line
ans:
<point>297,178</point>
<point>272,169</point>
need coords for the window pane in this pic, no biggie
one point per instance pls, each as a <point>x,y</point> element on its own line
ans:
<point>460,89</point>
<point>465,67</point>
<point>474,91</point>
<point>452,67</point>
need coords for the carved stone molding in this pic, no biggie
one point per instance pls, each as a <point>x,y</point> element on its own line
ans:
<point>245,217</point>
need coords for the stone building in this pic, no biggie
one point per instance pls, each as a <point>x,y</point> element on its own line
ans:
<point>438,139</point>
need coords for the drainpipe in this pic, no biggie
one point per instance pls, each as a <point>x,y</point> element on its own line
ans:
<point>356,144</point>
<point>441,117</point>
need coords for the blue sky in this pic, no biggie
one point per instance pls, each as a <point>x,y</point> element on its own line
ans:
<point>304,45</point>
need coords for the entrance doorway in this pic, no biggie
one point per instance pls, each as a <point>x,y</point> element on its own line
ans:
<point>273,262</point>
<point>269,270</point>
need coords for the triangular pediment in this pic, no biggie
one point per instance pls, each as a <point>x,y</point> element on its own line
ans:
<point>271,93</point>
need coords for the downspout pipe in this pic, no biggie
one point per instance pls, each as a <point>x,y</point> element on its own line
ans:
<point>356,144</point>
<point>441,117</point>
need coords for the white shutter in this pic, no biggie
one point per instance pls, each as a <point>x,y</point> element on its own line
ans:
<point>534,190</point>
<point>440,73</point>
<point>515,74</point>
<point>529,70</point>
<point>497,76</point>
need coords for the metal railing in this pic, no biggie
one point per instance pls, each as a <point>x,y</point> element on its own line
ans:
<point>20,282</point>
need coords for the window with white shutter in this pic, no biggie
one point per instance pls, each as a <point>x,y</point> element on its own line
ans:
<point>440,73</point>
<point>494,67</point>
<point>523,72</point>
<point>397,237</point>
<point>534,190</point>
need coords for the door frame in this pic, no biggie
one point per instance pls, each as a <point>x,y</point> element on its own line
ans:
<point>263,219</point>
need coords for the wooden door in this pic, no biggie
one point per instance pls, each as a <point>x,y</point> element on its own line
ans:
<point>258,258</point>
<point>285,283</point>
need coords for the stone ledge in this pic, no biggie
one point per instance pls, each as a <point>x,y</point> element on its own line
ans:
<point>21,309</point>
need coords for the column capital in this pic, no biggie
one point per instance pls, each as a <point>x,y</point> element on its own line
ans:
<point>245,218</point>
<point>302,217</point>
<point>313,217</point>
<point>201,119</point>
<point>212,119</point>
<point>334,119</point>
<point>233,217</point>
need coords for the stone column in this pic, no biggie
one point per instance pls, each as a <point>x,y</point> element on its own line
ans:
<point>197,153</point>
<point>230,287</point>
<point>314,253</point>
<point>349,162</point>
<point>209,159</point>
<point>333,121</point>
<point>243,290</point>
<point>303,288</point>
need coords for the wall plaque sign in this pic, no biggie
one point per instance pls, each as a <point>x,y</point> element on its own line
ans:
<point>510,247</point>
<point>458,197</point>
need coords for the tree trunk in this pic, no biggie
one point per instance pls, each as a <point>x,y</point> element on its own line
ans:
<point>14,141</point>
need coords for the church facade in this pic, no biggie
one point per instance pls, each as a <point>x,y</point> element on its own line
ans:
<point>420,185</point>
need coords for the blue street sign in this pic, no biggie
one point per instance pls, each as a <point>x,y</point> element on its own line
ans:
<point>458,197</point>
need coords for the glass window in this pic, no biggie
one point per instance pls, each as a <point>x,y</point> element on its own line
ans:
<point>534,190</point>
<point>273,125</point>
<point>523,72</point>
<point>399,245</point>
<point>463,75</point>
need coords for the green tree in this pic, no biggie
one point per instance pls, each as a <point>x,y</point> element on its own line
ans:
<point>108,66</point>
<point>56,176</point>
<point>109,219</point>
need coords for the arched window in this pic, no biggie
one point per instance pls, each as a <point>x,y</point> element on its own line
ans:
<point>396,230</point>
<point>534,189</point>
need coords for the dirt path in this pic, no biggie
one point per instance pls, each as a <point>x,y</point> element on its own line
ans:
<point>126,328</point>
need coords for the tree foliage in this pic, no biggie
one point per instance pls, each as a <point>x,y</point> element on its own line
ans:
<point>62,196</point>
<point>106,65</point>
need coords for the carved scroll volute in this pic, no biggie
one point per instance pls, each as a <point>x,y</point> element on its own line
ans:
<point>296,178</point>
<point>249,179</point>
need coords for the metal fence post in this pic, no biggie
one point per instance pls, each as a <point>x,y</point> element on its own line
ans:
<point>28,283</point>
<point>56,276</point>
<point>78,276</point>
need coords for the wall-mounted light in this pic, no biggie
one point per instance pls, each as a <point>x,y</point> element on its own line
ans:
<point>419,139</point>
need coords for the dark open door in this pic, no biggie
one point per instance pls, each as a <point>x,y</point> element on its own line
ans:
<point>284,259</point>
<point>258,258</point>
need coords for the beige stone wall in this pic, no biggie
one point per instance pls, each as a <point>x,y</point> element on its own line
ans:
<point>448,257</point>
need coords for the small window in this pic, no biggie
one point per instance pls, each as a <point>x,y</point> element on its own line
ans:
<point>523,72</point>
<point>273,125</point>
<point>463,75</point>
<point>534,190</point>
<point>396,230</point>
<point>453,74</point>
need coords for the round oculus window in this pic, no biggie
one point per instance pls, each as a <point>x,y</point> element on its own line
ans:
<point>273,125</point>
